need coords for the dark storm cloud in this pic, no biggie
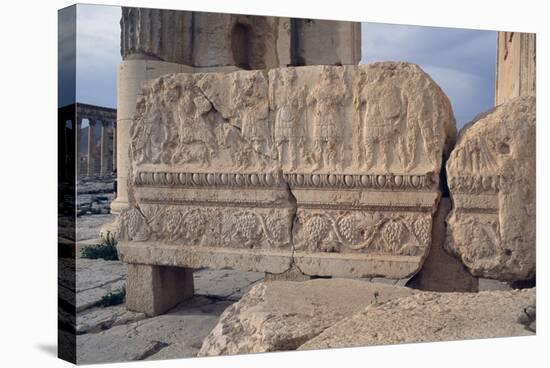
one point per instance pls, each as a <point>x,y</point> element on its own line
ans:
<point>461,61</point>
<point>98,54</point>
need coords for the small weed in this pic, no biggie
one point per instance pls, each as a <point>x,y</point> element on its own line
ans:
<point>113,298</point>
<point>106,250</point>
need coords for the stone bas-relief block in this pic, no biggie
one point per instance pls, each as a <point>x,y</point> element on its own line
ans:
<point>491,175</point>
<point>332,169</point>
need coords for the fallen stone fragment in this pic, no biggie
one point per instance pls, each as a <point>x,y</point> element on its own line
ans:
<point>282,315</point>
<point>429,317</point>
<point>491,176</point>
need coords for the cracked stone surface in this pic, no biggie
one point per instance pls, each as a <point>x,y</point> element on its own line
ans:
<point>491,176</point>
<point>116,334</point>
<point>179,333</point>
<point>428,317</point>
<point>248,170</point>
<point>225,284</point>
<point>96,278</point>
<point>89,226</point>
<point>98,319</point>
<point>282,315</point>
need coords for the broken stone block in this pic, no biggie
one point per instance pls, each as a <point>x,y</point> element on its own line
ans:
<point>333,170</point>
<point>282,315</point>
<point>430,317</point>
<point>491,176</point>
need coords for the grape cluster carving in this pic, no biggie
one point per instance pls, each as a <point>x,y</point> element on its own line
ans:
<point>393,235</point>
<point>422,230</point>
<point>348,228</point>
<point>275,228</point>
<point>246,227</point>
<point>316,229</point>
<point>195,224</point>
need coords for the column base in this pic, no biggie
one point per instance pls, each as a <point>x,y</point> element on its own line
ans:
<point>154,290</point>
<point>117,206</point>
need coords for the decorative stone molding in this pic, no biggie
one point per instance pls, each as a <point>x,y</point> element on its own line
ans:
<point>333,169</point>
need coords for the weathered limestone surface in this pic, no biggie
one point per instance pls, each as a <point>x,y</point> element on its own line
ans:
<point>225,284</point>
<point>282,315</point>
<point>516,66</point>
<point>95,279</point>
<point>491,175</point>
<point>153,289</point>
<point>333,169</point>
<point>177,334</point>
<point>98,319</point>
<point>326,42</point>
<point>428,316</point>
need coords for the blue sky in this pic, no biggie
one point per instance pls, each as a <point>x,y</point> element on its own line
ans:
<point>461,61</point>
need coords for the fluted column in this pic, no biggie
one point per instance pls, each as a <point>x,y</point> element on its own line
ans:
<point>153,43</point>
<point>515,66</point>
<point>91,147</point>
<point>156,34</point>
<point>104,149</point>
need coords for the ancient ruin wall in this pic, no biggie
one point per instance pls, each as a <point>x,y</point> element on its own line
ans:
<point>332,169</point>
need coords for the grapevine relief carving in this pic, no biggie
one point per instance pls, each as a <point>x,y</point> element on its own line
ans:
<point>362,231</point>
<point>230,150</point>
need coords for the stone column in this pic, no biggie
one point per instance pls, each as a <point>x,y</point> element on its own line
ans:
<point>114,146</point>
<point>153,43</point>
<point>77,134</point>
<point>325,42</point>
<point>516,64</point>
<point>91,148</point>
<point>104,150</point>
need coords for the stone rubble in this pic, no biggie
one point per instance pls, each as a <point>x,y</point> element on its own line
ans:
<point>282,315</point>
<point>428,317</point>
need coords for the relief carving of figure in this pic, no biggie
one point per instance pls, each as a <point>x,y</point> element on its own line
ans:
<point>288,127</point>
<point>326,99</point>
<point>422,119</point>
<point>252,105</point>
<point>383,111</point>
<point>196,141</point>
<point>150,135</point>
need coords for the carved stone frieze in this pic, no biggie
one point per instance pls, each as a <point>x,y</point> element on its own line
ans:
<point>335,168</point>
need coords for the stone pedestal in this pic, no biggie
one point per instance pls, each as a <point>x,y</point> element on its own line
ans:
<point>155,289</point>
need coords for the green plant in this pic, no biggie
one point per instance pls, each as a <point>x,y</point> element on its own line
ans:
<point>115,298</point>
<point>106,250</point>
